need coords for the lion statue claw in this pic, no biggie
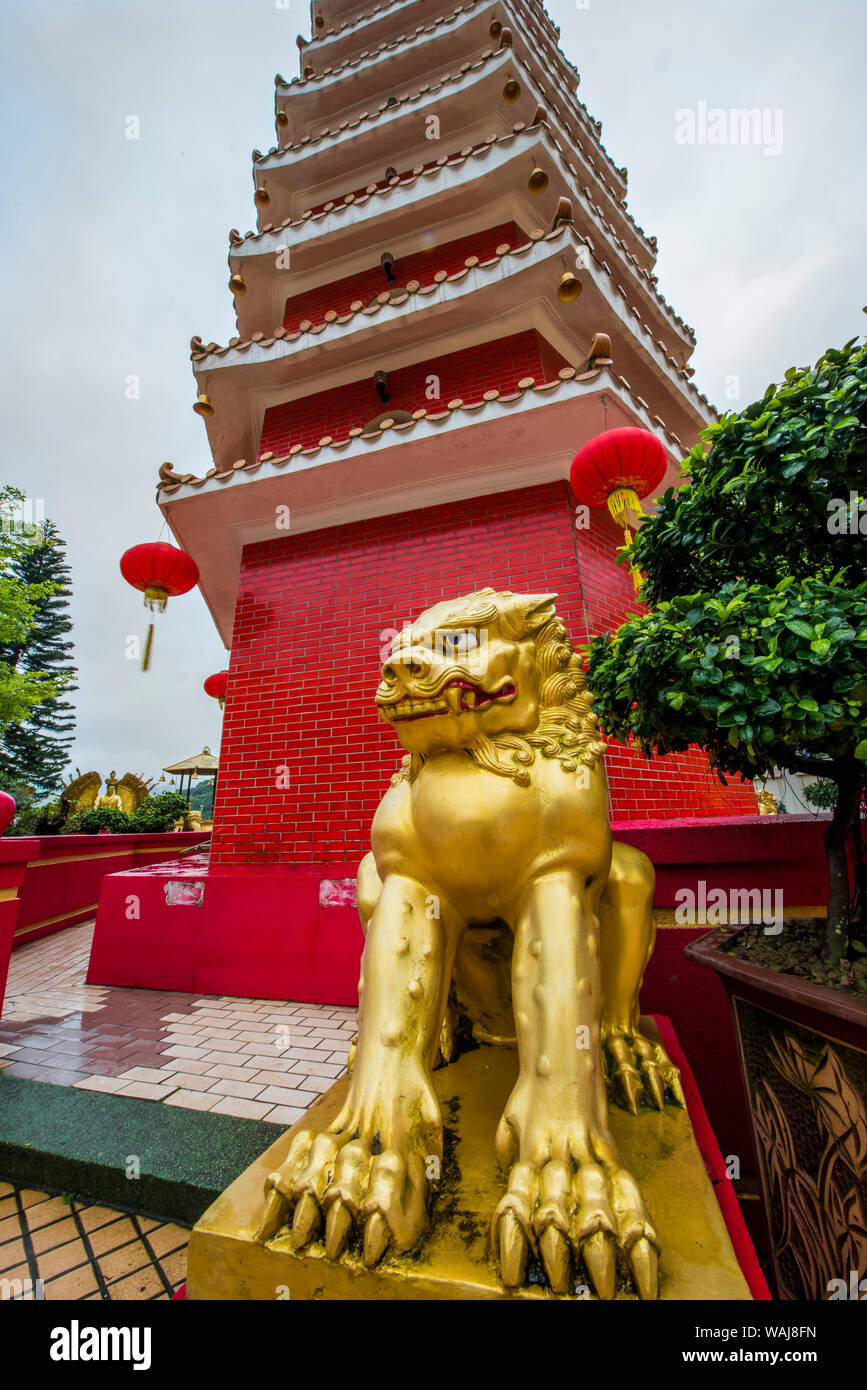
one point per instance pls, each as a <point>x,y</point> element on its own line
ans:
<point>493,895</point>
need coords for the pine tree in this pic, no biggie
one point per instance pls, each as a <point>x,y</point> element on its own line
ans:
<point>35,751</point>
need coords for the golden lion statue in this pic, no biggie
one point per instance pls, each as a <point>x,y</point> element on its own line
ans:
<point>493,841</point>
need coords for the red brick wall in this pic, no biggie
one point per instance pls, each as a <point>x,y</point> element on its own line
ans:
<point>496,365</point>
<point>339,295</point>
<point>306,655</point>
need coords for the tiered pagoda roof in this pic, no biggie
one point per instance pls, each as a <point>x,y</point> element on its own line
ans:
<point>409,139</point>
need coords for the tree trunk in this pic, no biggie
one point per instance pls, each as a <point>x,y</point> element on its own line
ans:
<point>849,776</point>
<point>859,870</point>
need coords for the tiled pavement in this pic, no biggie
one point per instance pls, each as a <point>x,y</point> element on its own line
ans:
<point>258,1059</point>
<point>59,1248</point>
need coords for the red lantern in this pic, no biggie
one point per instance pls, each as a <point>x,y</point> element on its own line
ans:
<point>617,469</point>
<point>160,572</point>
<point>215,686</point>
<point>7,811</point>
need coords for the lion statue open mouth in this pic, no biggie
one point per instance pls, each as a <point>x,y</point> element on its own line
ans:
<point>493,898</point>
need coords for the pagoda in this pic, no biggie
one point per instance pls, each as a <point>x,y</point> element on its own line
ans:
<point>444,297</point>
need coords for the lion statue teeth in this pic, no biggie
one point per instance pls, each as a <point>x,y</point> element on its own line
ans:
<point>493,894</point>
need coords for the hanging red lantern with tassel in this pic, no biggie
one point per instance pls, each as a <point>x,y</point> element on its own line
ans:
<point>215,686</point>
<point>160,572</point>
<point>617,469</point>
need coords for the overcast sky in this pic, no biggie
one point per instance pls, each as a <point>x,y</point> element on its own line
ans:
<point>114,253</point>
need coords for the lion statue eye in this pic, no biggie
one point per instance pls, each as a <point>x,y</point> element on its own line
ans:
<point>388,672</point>
<point>413,668</point>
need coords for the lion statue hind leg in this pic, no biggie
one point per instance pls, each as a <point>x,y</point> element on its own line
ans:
<point>636,1067</point>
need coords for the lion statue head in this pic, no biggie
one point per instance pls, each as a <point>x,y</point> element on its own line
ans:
<point>492,675</point>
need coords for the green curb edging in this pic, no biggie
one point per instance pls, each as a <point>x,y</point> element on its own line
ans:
<point>79,1142</point>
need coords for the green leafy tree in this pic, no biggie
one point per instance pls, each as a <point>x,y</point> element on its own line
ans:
<point>72,823</point>
<point>755,647</point>
<point>26,811</point>
<point>202,797</point>
<point>158,813</point>
<point>21,691</point>
<point>30,819</point>
<point>35,750</point>
<point>821,794</point>
<point>104,818</point>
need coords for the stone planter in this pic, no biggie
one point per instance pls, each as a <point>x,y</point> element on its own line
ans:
<point>803,1054</point>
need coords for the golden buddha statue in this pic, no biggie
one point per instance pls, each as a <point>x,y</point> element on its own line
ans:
<point>109,799</point>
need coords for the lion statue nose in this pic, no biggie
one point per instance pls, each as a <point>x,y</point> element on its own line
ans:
<point>407,666</point>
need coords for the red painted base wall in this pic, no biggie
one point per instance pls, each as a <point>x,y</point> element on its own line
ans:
<point>65,872</point>
<point>14,853</point>
<point>255,934</point>
<point>50,882</point>
<point>315,610</point>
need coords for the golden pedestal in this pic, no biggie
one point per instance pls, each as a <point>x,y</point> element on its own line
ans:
<point>454,1259</point>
